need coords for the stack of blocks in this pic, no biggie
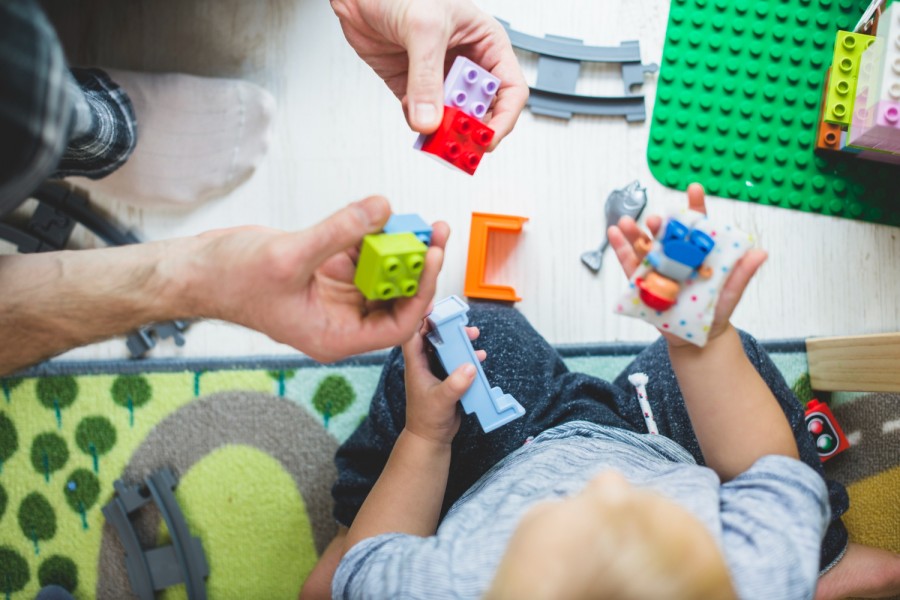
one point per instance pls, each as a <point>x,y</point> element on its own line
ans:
<point>390,263</point>
<point>861,101</point>
<point>462,138</point>
<point>876,115</point>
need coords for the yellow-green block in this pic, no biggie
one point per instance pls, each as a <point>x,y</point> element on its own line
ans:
<point>841,93</point>
<point>390,265</point>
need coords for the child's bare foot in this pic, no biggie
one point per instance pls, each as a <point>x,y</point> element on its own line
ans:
<point>198,138</point>
<point>863,572</point>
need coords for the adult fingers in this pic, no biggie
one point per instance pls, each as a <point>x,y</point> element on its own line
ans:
<point>342,230</point>
<point>513,93</point>
<point>426,36</point>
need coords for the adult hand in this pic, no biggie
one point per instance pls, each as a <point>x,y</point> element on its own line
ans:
<point>629,243</point>
<point>409,44</point>
<point>431,404</point>
<point>298,287</point>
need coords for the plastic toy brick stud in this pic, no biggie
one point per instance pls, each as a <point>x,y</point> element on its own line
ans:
<point>461,140</point>
<point>448,336</point>
<point>848,49</point>
<point>828,135</point>
<point>411,223</point>
<point>390,265</point>
<point>825,431</point>
<point>470,88</point>
<point>482,225</point>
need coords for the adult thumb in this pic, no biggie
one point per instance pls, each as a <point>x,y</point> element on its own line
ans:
<point>425,85</point>
<point>346,228</point>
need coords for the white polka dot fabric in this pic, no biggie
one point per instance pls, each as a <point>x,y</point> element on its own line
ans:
<point>692,314</point>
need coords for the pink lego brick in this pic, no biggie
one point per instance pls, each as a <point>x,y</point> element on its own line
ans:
<point>877,127</point>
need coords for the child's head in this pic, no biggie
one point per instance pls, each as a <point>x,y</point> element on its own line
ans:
<point>611,541</point>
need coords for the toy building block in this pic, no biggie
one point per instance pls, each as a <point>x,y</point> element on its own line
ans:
<point>876,120</point>
<point>448,336</point>
<point>470,88</point>
<point>390,265</point>
<point>828,135</point>
<point>411,223</point>
<point>461,140</point>
<point>823,427</point>
<point>848,49</point>
<point>482,225</point>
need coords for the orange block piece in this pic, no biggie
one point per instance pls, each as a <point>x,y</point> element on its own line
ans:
<point>828,135</point>
<point>482,225</point>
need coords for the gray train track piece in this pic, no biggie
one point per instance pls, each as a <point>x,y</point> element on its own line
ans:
<point>158,568</point>
<point>559,65</point>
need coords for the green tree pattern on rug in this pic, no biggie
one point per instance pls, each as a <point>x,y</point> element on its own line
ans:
<point>131,392</point>
<point>49,453</point>
<point>95,436</point>
<point>13,571</point>
<point>802,388</point>
<point>37,519</point>
<point>57,393</point>
<point>281,377</point>
<point>8,384</point>
<point>9,439</point>
<point>59,570</point>
<point>81,491</point>
<point>4,499</point>
<point>333,396</point>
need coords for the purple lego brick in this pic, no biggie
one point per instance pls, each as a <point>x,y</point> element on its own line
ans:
<point>470,88</point>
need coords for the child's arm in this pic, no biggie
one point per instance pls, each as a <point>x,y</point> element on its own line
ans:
<point>736,418</point>
<point>407,496</point>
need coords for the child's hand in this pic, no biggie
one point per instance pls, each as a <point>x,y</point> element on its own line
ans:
<point>431,404</point>
<point>630,244</point>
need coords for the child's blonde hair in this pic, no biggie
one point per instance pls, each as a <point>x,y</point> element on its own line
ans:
<point>638,547</point>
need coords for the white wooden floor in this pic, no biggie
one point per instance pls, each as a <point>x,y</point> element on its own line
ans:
<point>340,135</point>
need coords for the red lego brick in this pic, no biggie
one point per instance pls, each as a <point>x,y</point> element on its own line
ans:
<point>461,140</point>
<point>825,431</point>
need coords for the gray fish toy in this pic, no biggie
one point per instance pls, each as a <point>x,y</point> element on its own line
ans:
<point>626,202</point>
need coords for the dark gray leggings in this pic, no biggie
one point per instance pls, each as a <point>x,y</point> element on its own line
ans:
<point>523,364</point>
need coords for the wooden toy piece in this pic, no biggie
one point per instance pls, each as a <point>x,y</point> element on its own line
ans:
<point>482,225</point>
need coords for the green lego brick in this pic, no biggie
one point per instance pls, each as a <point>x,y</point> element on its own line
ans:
<point>737,104</point>
<point>390,265</point>
<point>848,49</point>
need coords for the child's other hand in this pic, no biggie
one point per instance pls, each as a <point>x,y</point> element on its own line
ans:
<point>431,404</point>
<point>630,242</point>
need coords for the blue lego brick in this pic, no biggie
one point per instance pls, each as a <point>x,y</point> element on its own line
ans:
<point>491,406</point>
<point>411,223</point>
<point>470,88</point>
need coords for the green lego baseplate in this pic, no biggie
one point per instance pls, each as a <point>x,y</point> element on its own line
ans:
<point>390,265</point>
<point>737,104</point>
